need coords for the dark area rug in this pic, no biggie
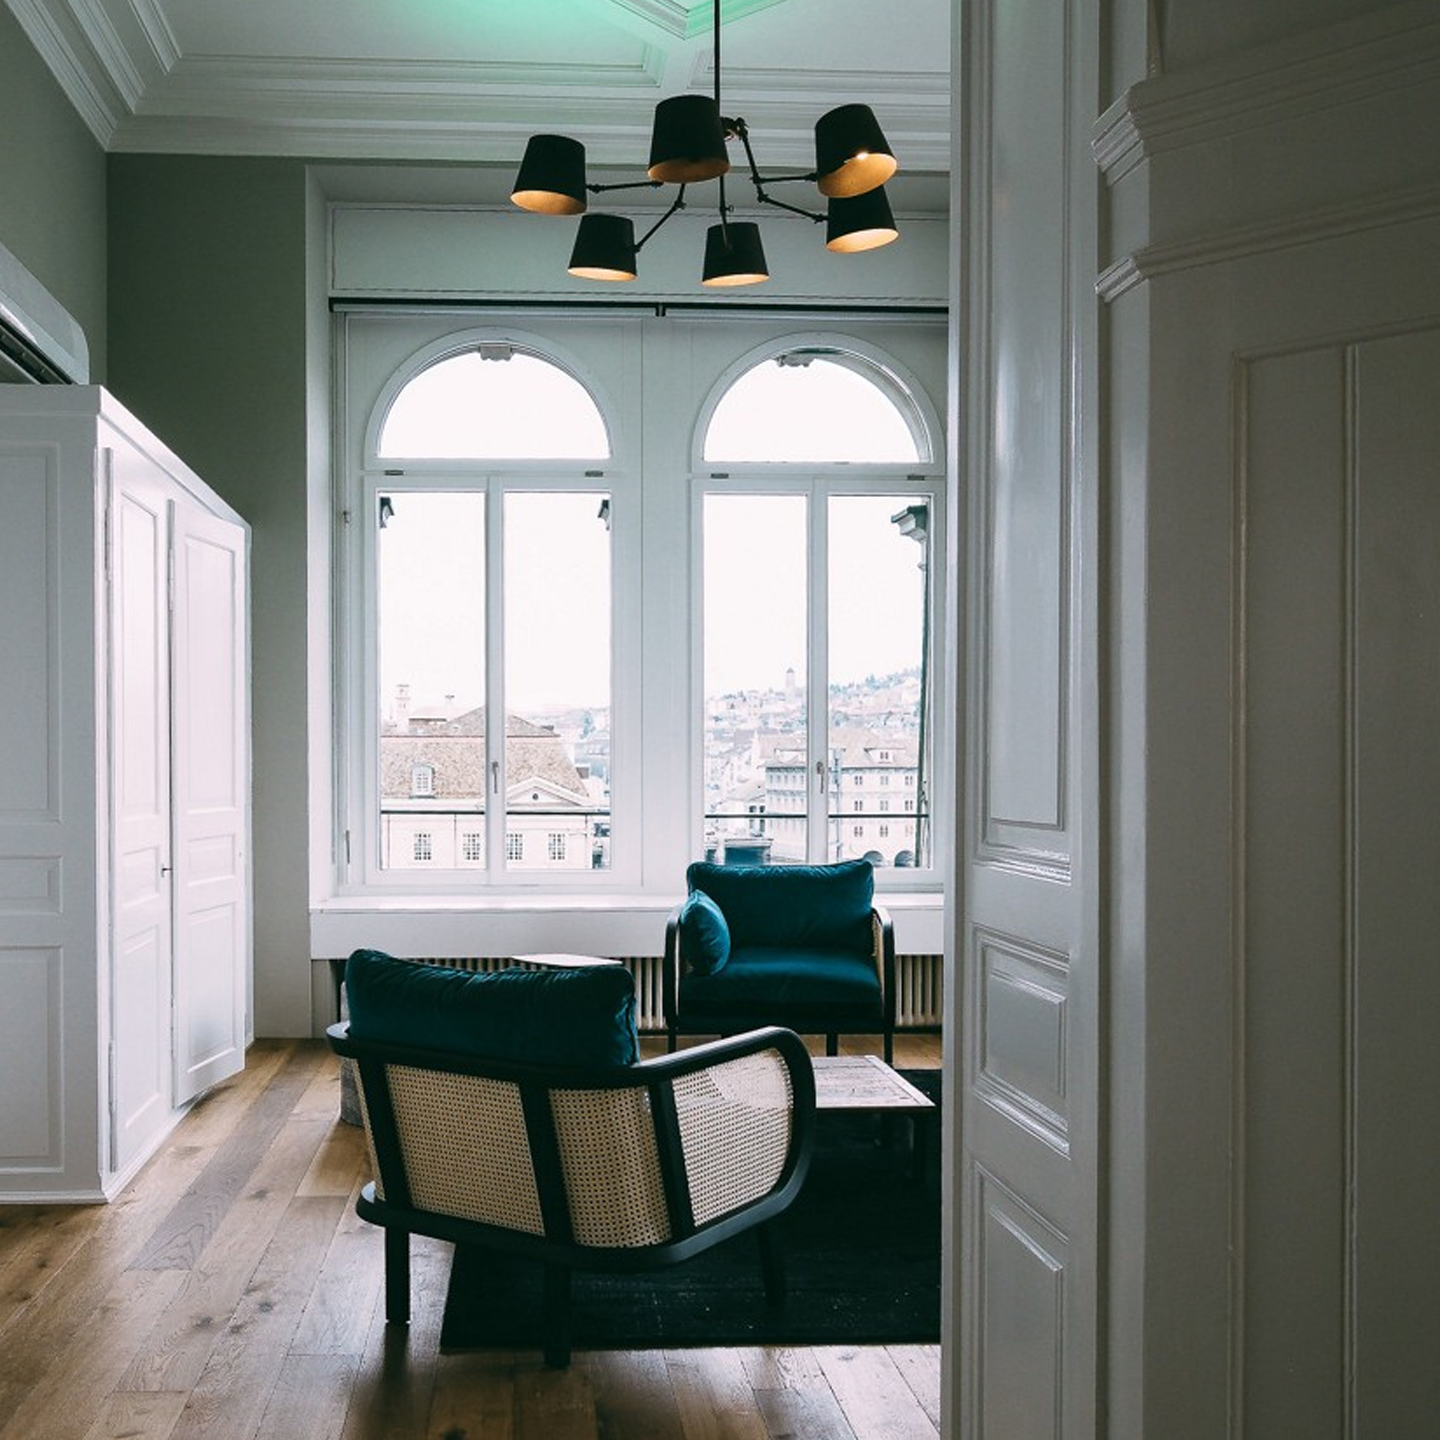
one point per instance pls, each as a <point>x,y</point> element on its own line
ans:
<point>862,1261</point>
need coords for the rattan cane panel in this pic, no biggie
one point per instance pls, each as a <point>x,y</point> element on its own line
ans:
<point>612,1169</point>
<point>369,1141</point>
<point>735,1130</point>
<point>465,1146</point>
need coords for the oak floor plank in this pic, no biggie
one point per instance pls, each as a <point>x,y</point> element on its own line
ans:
<point>634,1397</point>
<point>395,1384</point>
<point>182,1339</point>
<point>181,1239</point>
<point>554,1405</point>
<point>137,1415</point>
<point>474,1396</point>
<point>347,1291</point>
<point>793,1394</point>
<point>877,1401</point>
<point>714,1395</point>
<point>230,1397</point>
<point>64,1397</point>
<point>920,1365</point>
<point>339,1164</point>
<point>310,1398</point>
<point>36,1254</point>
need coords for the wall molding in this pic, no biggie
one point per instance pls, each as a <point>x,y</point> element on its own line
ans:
<point>1420,202</point>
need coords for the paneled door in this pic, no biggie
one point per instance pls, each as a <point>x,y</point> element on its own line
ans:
<point>139,1053</point>
<point>211,783</point>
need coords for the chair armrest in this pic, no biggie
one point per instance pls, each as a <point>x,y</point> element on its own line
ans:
<point>884,936</point>
<point>670,970</point>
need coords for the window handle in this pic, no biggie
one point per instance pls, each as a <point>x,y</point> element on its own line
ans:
<point>494,777</point>
<point>820,771</point>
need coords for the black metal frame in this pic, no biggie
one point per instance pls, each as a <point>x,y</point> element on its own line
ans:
<point>557,1249</point>
<point>677,1024</point>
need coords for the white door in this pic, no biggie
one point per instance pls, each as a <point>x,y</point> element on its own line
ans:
<point>1025,1297</point>
<point>140,809</point>
<point>211,801</point>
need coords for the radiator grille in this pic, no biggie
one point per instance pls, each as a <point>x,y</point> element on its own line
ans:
<point>918,982</point>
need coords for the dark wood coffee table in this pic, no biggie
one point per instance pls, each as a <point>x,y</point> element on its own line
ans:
<point>866,1085</point>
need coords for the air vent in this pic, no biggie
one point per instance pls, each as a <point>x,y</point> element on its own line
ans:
<point>39,341</point>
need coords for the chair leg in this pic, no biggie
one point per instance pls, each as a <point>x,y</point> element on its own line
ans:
<point>397,1276</point>
<point>832,1044</point>
<point>889,1047</point>
<point>557,1316</point>
<point>671,1039</point>
<point>772,1265</point>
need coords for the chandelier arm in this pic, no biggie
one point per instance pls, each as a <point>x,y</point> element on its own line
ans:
<point>625,185</point>
<point>742,131</point>
<point>677,204</point>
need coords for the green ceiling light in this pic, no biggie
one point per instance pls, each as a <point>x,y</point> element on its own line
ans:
<point>852,155</point>
<point>604,248</point>
<point>688,146</point>
<point>552,176</point>
<point>859,222</point>
<point>734,255</point>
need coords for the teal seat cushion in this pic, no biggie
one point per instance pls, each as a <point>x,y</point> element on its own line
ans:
<point>809,907</point>
<point>811,990</point>
<point>704,935</point>
<point>547,1017</point>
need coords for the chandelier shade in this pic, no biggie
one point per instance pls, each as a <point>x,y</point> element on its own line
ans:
<point>851,152</point>
<point>552,176</point>
<point>859,222</point>
<point>604,248</point>
<point>734,255</point>
<point>687,142</point>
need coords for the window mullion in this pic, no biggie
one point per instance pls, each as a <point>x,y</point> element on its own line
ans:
<point>495,778</point>
<point>817,686</point>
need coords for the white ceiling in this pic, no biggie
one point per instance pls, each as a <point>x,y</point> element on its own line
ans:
<point>468,80</point>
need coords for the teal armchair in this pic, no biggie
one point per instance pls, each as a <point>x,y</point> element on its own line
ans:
<point>803,946</point>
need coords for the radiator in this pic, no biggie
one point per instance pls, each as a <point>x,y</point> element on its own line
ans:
<point>918,982</point>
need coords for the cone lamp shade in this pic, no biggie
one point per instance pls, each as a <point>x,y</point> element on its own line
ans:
<point>734,255</point>
<point>859,222</point>
<point>851,152</point>
<point>552,176</point>
<point>604,248</point>
<point>687,143</point>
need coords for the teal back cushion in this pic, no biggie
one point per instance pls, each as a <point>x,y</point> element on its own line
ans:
<point>584,1016</point>
<point>812,907</point>
<point>704,935</point>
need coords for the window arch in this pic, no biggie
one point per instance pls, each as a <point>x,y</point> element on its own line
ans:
<point>492,400</point>
<point>815,401</point>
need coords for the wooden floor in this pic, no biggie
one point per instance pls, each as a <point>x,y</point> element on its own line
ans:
<point>231,1292</point>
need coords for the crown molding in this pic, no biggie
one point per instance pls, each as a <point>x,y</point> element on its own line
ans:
<point>61,43</point>
<point>685,22</point>
<point>1366,58</point>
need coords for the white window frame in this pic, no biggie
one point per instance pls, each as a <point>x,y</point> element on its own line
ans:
<point>655,478</point>
<point>909,482</point>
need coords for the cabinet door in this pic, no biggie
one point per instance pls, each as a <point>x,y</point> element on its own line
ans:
<point>140,971</point>
<point>211,800</point>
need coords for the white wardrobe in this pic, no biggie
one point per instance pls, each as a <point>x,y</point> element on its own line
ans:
<point>125,913</point>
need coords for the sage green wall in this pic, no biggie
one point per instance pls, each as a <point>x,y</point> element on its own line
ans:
<point>207,347</point>
<point>52,188</point>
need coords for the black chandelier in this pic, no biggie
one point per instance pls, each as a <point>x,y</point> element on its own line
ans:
<point>687,145</point>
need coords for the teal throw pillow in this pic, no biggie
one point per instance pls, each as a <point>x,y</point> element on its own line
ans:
<point>584,1016</point>
<point>704,935</point>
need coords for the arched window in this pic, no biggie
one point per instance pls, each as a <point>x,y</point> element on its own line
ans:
<point>494,401</point>
<point>816,404</point>
<point>818,604</point>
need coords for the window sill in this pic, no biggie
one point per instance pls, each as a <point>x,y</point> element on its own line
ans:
<point>610,924</point>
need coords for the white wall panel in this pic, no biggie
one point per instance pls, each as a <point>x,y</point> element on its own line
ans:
<point>30,1056</point>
